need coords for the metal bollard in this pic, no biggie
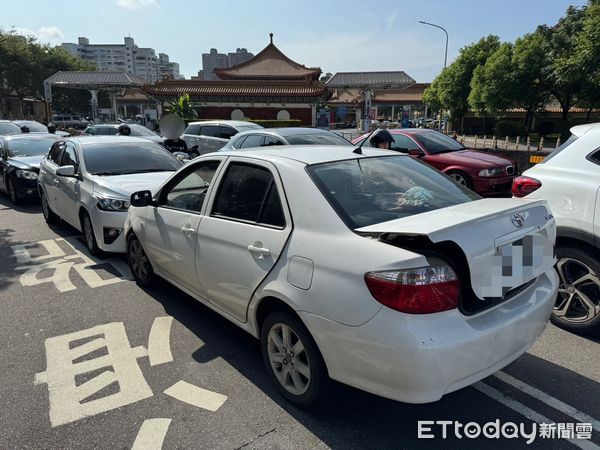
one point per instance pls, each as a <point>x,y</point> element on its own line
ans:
<point>528,144</point>
<point>475,143</point>
<point>484,140</point>
<point>517,143</point>
<point>506,143</point>
<point>557,141</point>
<point>541,144</point>
<point>494,142</point>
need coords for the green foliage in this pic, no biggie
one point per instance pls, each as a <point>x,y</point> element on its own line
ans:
<point>183,107</point>
<point>25,64</point>
<point>277,123</point>
<point>507,128</point>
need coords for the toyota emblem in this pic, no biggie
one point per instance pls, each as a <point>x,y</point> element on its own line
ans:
<point>518,220</point>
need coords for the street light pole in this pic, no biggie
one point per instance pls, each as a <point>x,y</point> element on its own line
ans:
<point>445,53</point>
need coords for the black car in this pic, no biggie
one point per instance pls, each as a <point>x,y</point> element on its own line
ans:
<point>20,157</point>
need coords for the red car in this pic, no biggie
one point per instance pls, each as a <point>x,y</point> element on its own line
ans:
<point>485,173</point>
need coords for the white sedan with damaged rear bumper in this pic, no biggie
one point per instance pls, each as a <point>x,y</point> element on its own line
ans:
<point>369,268</point>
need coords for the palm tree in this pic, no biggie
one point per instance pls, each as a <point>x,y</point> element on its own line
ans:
<point>183,107</point>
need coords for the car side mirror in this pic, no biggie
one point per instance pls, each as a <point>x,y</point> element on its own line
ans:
<point>140,199</point>
<point>416,152</point>
<point>66,171</point>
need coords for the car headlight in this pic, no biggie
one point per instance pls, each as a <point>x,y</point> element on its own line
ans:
<point>26,174</point>
<point>112,204</point>
<point>491,172</point>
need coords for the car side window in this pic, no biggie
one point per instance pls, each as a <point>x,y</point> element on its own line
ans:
<point>189,192</point>
<point>227,132</point>
<point>56,152</point>
<point>595,157</point>
<point>69,156</point>
<point>253,140</point>
<point>403,143</point>
<point>90,130</point>
<point>192,129</point>
<point>210,130</point>
<point>249,193</point>
<point>270,140</point>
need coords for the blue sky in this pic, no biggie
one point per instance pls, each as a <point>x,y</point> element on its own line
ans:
<point>334,35</point>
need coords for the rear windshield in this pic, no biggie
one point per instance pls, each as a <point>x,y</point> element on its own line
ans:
<point>9,128</point>
<point>140,130</point>
<point>30,147</point>
<point>560,148</point>
<point>34,127</point>
<point>368,191</point>
<point>127,158</point>
<point>317,139</point>
<point>249,126</point>
<point>436,142</point>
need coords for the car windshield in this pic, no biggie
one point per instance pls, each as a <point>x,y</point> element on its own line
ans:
<point>139,130</point>
<point>30,147</point>
<point>366,191</point>
<point>125,158</point>
<point>9,128</point>
<point>436,142</point>
<point>34,127</point>
<point>317,139</point>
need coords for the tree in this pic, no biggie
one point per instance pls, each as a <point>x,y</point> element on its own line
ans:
<point>183,107</point>
<point>560,44</point>
<point>452,87</point>
<point>25,64</point>
<point>515,75</point>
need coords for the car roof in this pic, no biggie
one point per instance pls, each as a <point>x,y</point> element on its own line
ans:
<point>289,131</point>
<point>87,140</point>
<point>233,123</point>
<point>114,125</point>
<point>34,136</point>
<point>309,154</point>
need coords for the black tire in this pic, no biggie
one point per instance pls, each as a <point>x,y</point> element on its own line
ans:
<point>139,265</point>
<point>461,177</point>
<point>88,234</point>
<point>12,192</point>
<point>49,215</point>
<point>316,384</point>
<point>582,313</point>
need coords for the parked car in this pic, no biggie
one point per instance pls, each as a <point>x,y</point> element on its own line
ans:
<point>373,269</point>
<point>20,157</point>
<point>209,136</point>
<point>66,121</point>
<point>569,178</point>
<point>87,183</point>
<point>485,173</point>
<point>37,127</point>
<point>284,136</point>
<point>112,129</point>
<point>7,127</point>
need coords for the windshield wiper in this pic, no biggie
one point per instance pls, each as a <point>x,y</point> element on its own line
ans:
<point>106,173</point>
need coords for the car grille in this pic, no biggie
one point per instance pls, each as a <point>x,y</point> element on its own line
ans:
<point>510,170</point>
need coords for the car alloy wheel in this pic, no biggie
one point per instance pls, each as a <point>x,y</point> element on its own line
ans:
<point>292,359</point>
<point>12,192</point>
<point>288,359</point>
<point>88,234</point>
<point>46,211</point>
<point>578,298</point>
<point>458,177</point>
<point>139,263</point>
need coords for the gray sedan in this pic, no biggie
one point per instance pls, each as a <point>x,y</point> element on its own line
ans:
<point>284,136</point>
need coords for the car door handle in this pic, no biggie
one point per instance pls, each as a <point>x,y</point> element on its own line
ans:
<point>258,250</point>
<point>188,231</point>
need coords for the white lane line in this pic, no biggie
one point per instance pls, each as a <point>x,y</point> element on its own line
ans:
<point>152,434</point>
<point>548,400</point>
<point>527,412</point>
<point>159,343</point>
<point>196,396</point>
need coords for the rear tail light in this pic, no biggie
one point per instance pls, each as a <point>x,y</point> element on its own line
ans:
<point>523,186</point>
<point>416,291</point>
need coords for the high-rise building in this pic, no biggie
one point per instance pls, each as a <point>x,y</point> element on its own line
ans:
<point>126,57</point>
<point>215,60</point>
<point>167,69</point>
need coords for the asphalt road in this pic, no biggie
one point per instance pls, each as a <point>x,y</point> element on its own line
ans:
<point>90,360</point>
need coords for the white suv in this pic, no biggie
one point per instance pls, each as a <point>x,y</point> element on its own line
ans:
<point>569,178</point>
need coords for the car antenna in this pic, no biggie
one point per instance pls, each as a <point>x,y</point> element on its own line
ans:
<point>358,150</point>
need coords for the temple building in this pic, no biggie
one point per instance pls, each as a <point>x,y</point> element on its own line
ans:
<point>268,86</point>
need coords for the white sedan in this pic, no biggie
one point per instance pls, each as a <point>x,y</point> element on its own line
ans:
<point>369,268</point>
<point>87,182</point>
